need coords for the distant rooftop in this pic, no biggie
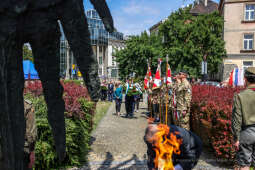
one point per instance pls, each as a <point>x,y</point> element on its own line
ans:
<point>204,7</point>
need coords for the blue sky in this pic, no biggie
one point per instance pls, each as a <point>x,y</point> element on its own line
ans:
<point>132,17</point>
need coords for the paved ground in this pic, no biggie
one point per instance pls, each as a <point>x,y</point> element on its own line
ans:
<point>117,143</point>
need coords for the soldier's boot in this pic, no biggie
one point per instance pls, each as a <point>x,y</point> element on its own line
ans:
<point>45,47</point>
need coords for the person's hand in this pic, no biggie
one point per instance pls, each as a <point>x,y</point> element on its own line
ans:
<point>236,144</point>
<point>32,160</point>
<point>184,112</point>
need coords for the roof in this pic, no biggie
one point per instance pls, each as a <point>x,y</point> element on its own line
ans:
<point>157,25</point>
<point>200,8</point>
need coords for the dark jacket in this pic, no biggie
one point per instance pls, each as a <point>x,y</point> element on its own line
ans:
<point>110,88</point>
<point>190,148</point>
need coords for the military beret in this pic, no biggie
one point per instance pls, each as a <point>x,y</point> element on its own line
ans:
<point>251,70</point>
<point>183,72</point>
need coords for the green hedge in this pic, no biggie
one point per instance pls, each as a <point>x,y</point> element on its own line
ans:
<point>77,137</point>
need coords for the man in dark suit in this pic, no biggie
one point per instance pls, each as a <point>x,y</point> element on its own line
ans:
<point>110,91</point>
<point>191,147</point>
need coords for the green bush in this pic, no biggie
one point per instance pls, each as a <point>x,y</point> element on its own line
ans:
<point>78,82</point>
<point>77,137</point>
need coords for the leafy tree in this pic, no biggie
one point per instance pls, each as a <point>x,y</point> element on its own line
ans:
<point>27,53</point>
<point>138,50</point>
<point>189,39</point>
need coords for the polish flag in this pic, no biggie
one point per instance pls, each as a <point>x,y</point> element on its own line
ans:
<point>157,79</point>
<point>169,79</point>
<point>149,74</point>
<point>146,81</point>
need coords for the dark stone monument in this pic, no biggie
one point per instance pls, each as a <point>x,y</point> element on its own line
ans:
<point>36,22</point>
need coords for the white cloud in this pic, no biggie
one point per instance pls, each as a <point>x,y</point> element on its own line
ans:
<point>135,7</point>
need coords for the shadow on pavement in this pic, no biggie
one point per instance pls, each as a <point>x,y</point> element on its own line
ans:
<point>92,140</point>
<point>133,163</point>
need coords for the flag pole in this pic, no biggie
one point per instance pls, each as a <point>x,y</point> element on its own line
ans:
<point>160,106</point>
<point>166,86</point>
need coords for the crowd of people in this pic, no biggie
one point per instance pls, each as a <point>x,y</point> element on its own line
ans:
<point>114,92</point>
<point>171,102</point>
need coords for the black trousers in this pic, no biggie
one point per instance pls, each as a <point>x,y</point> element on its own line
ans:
<point>129,101</point>
<point>155,110</point>
<point>118,104</point>
<point>137,103</point>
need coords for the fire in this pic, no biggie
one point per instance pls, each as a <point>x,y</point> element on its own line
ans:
<point>165,147</point>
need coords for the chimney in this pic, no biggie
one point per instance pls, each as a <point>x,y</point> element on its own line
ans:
<point>205,2</point>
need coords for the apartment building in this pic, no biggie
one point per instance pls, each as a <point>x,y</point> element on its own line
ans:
<point>238,34</point>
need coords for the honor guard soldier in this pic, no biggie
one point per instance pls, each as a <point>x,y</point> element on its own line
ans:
<point>155,102</point>
<point>150,100</point>
<point>183,96</point>
<point>172,101</point>
<point>243,123</point>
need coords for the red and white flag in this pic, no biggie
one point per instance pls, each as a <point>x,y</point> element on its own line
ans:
<point>146,81</point>
<point>150,75</point>
<point>157,80</point>
<point>169,74</point>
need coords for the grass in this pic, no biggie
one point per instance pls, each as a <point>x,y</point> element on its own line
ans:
<point>101,110</point>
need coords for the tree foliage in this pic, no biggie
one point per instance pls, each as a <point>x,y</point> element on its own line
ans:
<point>138,50</point>
<point>27,53</point>
<point>188,39</point>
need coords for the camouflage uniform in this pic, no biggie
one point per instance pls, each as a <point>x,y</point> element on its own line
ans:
<point>183,99</point>
<point>171,106</point>
<point>31,131</point>
<point>164,101</point>
<point>155,102</point>
<point>150,100</point>
<point>30,136</point>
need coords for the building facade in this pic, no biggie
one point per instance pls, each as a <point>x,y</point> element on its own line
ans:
<point>112,65</point>
<point>100,39</point>
<point>239,29</point>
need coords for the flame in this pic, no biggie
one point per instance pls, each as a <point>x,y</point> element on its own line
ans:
<point>165,147</point>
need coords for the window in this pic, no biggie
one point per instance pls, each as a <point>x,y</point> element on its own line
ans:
<point>248,41</point>
<point>100,60</point>
<point>249,12</point>
<point>247,64</point>
<point>113,61</point>
<point>114,73</point>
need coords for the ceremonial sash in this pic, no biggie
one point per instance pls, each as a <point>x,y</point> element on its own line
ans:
<point>176,114</point>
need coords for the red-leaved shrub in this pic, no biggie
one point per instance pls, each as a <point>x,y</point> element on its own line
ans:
<point>72,95</point>
<point>211,118</point>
